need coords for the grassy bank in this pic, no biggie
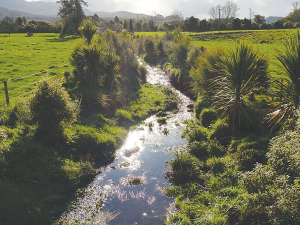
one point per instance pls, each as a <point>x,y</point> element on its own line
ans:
<point>237,168</point>
<point>54,141</point>
<point>38,180</point>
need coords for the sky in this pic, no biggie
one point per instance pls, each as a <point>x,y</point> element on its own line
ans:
<point>196,8</point>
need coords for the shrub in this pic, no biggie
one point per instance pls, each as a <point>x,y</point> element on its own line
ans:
<point>197,133</point>
<point>207,68</point>
<point>215,165</point>
<point>183,167</point>
<point>207,116</point>
<point>150,51</point>
<point>124,117</point>
<point>52,108</point>
<point>198,149</point>
<point>221,132</point>
<point>89,61</point>
<point>284,155</point>
<point>214,149</point>
<point>258,179</point>
<point>87,30</point>
<point>249,152</point>
<point>201,104</point>
<point>143,72</point>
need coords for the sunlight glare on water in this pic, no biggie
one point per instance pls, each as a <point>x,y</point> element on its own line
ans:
<point>131,189</point>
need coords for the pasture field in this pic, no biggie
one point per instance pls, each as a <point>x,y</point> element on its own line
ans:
<point>21,56</point>
<point>267,42</point>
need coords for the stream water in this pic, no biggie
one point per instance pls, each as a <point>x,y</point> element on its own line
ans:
<point>113,198</point>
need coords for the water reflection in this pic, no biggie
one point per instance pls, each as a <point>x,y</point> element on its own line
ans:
<point>131,190</point>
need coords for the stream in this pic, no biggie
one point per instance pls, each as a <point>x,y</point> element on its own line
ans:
<point>114,197</point>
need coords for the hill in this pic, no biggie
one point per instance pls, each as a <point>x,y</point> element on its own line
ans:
<point>120,14</point>
<point>272,19</point>
<point>35,7</point>
<point>4,12</point>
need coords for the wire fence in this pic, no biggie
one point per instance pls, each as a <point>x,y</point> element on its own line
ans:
<point>34,74</point>
<point>7,92</point>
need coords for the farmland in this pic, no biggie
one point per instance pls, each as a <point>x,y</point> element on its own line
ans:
<point>21,56</point>
<point>265,41</point>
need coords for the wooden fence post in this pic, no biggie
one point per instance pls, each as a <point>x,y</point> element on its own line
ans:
<point>6,91</point>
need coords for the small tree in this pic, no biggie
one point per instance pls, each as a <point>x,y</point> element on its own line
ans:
<point>52,108</point>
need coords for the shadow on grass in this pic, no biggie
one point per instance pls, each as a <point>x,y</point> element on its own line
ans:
<point>34,187</point>
<point>62,39</point>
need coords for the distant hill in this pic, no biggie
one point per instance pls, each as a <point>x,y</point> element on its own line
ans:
<point>119,14</point>
<point>35,7</point>
<point>272,19</point>
<point>15,14</point>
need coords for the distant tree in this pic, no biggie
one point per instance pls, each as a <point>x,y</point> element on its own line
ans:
<point>193,23</point>
<point>258,19</point>
<point>236,24</point>
<point>229,11</point>
<point>151,25</point>
<point>19,21</point>
<point>72,14</point>
<point>177,15</point>
<point>116,19</point>
<point>203,25</point>
<point>277,25</point>
<point>130,25</point>
<point>145,26</point>
<point>246,24</point>
<point>95,18</point>
<point>214,12</point>
<point>138,26</point>
<point>288,25</point>
<point>125,24</point>
<point>8,26</point>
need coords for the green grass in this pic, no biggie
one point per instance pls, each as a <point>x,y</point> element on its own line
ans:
<point>228,40</point>
<point>159,33</point>
<point>21,56</point>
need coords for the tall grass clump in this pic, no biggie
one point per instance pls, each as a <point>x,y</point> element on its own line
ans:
<point>241,73</point>
<point>87,30</point>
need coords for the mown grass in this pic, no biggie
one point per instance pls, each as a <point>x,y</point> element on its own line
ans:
<point>21,56</point>
<point>267,42</point>
<point>159,33</point>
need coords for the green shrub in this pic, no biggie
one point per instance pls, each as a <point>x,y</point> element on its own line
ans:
<point>184,168</point>
<point>143,72</point>
<point>284,155</point>
<point>207,116</point>
<point>201,104</point>
<point>20,114</point>
<point>257,180</point>
<point>150,51</point>
<point>197,133</point>
<point>215,165</point>
<point>214,149</point>
<point>221,132</point>
<point>124,117</point>
<point>198,149</point>
<point>248,153</point>
<point>51,108</point>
